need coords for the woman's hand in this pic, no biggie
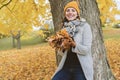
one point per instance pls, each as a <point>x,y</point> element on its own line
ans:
<point>61,40</point>
<point>73,44</point>
<point>67,43</point>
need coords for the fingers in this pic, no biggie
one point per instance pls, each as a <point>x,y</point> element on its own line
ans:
<point>61,40</point>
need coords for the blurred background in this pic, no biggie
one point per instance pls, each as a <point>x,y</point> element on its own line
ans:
<point>24,27</point>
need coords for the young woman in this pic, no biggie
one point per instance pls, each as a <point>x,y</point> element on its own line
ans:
<point>76,63</point>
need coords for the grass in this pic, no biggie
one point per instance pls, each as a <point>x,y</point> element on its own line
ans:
<point>6,43</point>
<point>111,33</point>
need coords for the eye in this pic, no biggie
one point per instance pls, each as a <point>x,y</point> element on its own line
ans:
<point>68,10</point>
<point>73,10</point>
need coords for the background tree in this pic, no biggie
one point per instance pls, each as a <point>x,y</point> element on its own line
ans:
<point>89,11</point>
<point>18,17</point>
<point>108,10</point>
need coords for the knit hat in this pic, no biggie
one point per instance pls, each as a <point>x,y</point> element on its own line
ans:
<point>72,4</point>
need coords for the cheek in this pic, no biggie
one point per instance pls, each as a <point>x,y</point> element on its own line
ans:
<point>76,14</point>
<point>66,14</point>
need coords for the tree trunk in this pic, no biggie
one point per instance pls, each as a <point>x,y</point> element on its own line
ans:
<point>89,10</point>
<point>16,37</point>
<point>13,41</point>
<point>18,40</point>
<point>18,44</point>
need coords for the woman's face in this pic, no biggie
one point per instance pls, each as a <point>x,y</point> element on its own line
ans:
<point>71,14</point>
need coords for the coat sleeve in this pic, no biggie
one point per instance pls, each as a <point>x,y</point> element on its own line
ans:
<point>84,47</point>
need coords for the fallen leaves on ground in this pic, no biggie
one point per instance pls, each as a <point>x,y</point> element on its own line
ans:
<point>38,62</point>
<point>31,63</point>
<point>113,54</point>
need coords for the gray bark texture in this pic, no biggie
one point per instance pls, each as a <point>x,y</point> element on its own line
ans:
<point>13,41</point>
<point>18,40</point>
<point>89,10</point>
<point>16,37</point>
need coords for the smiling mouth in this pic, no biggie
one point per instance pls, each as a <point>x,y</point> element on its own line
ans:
<point>70,16</point>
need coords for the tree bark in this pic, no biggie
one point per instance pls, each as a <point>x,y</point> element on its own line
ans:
<point>5,4</point>
<point>89,10</point>
<point>13,41</point>
<point>16,37</point>
<point>18,40</point>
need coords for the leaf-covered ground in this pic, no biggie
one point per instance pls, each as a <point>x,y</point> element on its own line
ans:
<point>113,54</point>
<point>30,63</point>
<point>38,62</point>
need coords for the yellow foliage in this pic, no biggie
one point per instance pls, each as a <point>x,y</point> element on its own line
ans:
<point>46,26</point>
<point>22,14</point>
<point>105,13</point>
<point>41,33</point>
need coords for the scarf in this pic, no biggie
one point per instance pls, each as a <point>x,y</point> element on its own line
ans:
<point>72,27</point>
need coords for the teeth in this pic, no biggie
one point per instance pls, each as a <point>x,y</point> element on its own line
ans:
<point>70,16</point>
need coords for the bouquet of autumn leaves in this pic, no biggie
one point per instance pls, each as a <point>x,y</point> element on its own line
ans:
<point>61,40</point>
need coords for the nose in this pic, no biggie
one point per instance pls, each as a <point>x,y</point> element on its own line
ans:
<point>70,11</point>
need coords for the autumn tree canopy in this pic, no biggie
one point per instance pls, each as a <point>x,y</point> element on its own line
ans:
<point>21,15</point>
<point>108,10</point>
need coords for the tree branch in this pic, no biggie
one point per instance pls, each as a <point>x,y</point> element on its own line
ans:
<point>3,1</point>
<point>15,4</point>
<point>5,4</point>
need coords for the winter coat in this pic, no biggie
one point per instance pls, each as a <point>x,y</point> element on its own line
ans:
<point>82,36</point>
